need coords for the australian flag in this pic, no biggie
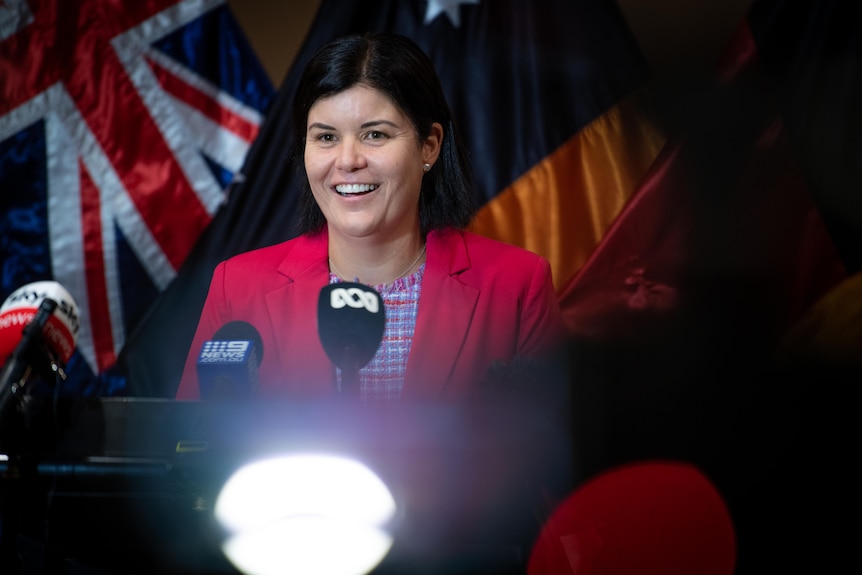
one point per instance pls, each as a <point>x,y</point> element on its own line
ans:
<point>122,128</point>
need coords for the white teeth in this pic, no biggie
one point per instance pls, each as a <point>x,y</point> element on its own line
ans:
<point>345,189</point>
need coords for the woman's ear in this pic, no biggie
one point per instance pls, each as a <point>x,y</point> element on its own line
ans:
<point>432,144</point>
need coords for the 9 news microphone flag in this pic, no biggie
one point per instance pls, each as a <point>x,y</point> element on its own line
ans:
<point>121,127</point>
<point>547,95</point>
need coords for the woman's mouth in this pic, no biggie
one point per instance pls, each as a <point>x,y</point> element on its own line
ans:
<point>346,190</point>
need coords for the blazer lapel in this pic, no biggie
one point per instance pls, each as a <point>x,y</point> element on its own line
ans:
<point>446,308</point>
<point>304,363</point>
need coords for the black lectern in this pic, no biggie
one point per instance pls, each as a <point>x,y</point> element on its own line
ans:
<point>123,485</point>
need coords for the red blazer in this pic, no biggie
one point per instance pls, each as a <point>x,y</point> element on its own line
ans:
<point>481,301</point>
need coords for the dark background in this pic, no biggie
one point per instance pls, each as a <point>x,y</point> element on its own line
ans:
<point>676,36</point>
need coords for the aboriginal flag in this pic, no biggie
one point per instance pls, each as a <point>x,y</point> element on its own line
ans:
<point>750,210</point>
<point>717,321</point>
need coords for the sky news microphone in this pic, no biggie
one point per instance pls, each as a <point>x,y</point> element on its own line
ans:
<point>38,325</point>
<point>350,322</point>
<point>19,309</point>
<point>228,364</point>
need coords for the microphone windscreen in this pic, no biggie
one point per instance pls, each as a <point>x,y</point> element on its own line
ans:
<point>19,309</point>
<point>241,330</point>
<point>350,322</point>
<point>227,365</point>
<point>650,518</point>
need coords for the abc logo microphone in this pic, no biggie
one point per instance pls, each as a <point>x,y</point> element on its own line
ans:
<point>350,322</point>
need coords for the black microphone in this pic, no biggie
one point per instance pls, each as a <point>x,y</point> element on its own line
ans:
<point>350,322</point>
<point>228,363</point>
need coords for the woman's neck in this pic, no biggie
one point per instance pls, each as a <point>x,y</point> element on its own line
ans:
<point>375,263</point>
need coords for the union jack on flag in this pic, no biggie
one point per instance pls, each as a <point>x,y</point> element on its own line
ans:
<point>122,125</point>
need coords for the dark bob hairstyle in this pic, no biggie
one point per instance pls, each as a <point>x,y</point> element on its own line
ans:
<point>397,67</point>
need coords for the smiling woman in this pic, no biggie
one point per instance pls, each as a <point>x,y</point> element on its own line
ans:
<point>387,195</point>
<point>365,164</point>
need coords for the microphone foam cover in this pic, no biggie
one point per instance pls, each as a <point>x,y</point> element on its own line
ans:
<point>241,330</point>
<point>649,518</point>
<point>350,322</point>
<point>227,366</point>
<point>20,308</point>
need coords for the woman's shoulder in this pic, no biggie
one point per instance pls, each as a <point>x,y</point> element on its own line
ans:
<point>495,245</point>
<point>483,247</point>
<point>272,255</point>
<point>478,259</point>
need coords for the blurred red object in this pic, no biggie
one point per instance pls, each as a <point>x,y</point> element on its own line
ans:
<point>649,518</point>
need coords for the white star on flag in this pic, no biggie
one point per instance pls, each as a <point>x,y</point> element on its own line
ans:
<point>451,7</point>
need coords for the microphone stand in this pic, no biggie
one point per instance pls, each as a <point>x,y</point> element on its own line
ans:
<point>350,373</point>
<point>18,491</point>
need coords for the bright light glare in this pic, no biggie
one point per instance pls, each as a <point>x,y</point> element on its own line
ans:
<point>305,514</point>
<point>309,545</point>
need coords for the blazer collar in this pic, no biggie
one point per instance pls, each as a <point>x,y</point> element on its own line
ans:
<point>446,309</point>
<point>294,303</point>
<point>307,258</point>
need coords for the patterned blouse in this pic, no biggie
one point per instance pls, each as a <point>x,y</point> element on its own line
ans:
<point>383,377</point>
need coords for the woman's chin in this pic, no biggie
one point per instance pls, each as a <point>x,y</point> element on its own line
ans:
<point>357,229</point>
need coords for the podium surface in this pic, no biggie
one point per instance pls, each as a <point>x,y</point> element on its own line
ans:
<point>128,485</point>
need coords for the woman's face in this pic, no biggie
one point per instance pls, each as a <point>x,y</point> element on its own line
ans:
<point>364,164</point>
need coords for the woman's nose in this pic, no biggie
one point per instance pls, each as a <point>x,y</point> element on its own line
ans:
<point>350,157</point>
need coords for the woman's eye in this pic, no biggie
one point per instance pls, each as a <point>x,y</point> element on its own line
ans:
<point>375,135</point>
